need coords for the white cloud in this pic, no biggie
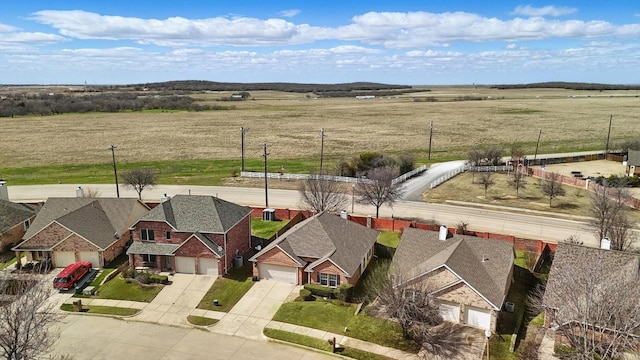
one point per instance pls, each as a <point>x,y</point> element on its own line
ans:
<point>7,28</point>
<point>528,10</point>
<point>512,46</point>
<point>290,13</point>
<point>30,38</point>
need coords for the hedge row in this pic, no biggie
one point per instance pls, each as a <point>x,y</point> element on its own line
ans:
<point>344,292</point>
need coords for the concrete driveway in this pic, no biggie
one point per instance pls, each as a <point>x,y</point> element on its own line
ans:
<point>253,312</point>
<point>93,337</point>
<point>175,302</point>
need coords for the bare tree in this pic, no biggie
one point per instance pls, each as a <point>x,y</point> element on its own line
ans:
<point>552,187</point>
<point>486,181</point>
<point>591,299</point>
<point>25,321</point>
<point>92,193</point>
<point>379,189</point>
<point>493,156</point>
<point>322,195</point>
<point>517,180</point>
<point>610,216</point>
<point>475,157</point>
<point>139,179</point>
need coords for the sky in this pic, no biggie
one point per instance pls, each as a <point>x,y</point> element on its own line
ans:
<point>407,42</point>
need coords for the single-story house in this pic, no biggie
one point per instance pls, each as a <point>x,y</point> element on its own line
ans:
<point>68,230</point>
<point>15,219</point>
<point>633,163</point>
<point>324,249</point>
<point>191,234</point>
<point>469,277</point>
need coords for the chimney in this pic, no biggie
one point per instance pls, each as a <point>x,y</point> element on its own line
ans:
<point>80,192</point>
<point>605,244</point>
<point>442,235</point>
<point>165,198</point>
<point>343,214</point>
<point>4,194</point>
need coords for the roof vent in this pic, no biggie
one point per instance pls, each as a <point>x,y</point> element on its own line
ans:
<point>80,192</point>
<point>4,194</point>
<point>165,198</point>
<point>442,235</point>
<point>605,244</point>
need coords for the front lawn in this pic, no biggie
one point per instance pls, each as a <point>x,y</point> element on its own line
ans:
<point>201,320</point>
<point>119,289</point>
<point>334,316</point>
<point>229,289</point>
<point>266,229</point>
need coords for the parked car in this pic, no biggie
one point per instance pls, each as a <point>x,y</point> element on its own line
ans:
<point>70,275</point>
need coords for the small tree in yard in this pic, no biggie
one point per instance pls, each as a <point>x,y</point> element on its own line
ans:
<point>552,187</point>
<point>139,179</point>
<point>25,322</point>
<point>486,181</point>
<point>379,189</point>
<point>322,195</point>
<point>610,216</point>
<point>517,181</point>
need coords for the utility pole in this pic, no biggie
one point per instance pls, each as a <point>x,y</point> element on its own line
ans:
<point>430,138</point>
<point>115,172</point>
<point>537,145</point>
<point>321,148</point>
<point>242,131</point>
<point>266,192</point>
<point>606,150</point>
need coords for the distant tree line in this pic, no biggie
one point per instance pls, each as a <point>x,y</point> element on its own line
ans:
<point>569,86</point>
<point>52,104</point>
<point>362,164</point>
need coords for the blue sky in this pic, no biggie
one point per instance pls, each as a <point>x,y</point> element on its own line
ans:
<point>396,42</point>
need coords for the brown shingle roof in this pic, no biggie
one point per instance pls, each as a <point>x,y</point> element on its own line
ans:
<point>13,213</point>
<point>484,264</point>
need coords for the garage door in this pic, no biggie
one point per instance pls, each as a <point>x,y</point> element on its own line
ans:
<point>208,266</point>
<point>280,273</point>
<point>91,256</point>
<point>478,318</point>
<point>450,312</point>
<point>64,258</point>
<point>185,265</point>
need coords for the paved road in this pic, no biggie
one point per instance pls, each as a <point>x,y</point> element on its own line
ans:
<point>552,229</point>
<point>413,188</point>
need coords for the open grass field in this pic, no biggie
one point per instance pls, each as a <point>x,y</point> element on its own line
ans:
<point>183,146</point>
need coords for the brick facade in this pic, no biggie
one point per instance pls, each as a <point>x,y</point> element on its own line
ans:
<point>275,256</point>
<point>327,267</point>
<point>11,237</point>
<point>47,237</point>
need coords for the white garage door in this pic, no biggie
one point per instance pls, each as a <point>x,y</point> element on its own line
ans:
<point>208,266</point>
<point>90,256</point>
<point>280,273</point>
<point>185,265</point>
<point>478,318</point>
<point>64,258</point>
<point>450,312</point>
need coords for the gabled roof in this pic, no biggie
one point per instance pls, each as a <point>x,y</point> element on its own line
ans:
<point>633,158</point>
<point>95,219</point>
<point>606,264</point>
<point>191,213</point>
<point>328,236</point>
<point>483,264</point>
<point>13,213</point>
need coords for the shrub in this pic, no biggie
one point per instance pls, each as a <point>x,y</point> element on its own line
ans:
<point>344,292</point>
<point>143,278</point>
<point>159,279</point>
<point>319,290</point>
<point>306,295</point>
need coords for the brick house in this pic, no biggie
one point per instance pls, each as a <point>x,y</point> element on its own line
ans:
<point>191,234</point>
<point>470,277</point>
<point>323,249</point>
<point>68,230</point>
<point>15,219</point>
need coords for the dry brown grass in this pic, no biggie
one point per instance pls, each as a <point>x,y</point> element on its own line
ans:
<point>291,123</point>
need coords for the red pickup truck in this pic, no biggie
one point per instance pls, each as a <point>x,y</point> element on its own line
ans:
<point>68,277</point>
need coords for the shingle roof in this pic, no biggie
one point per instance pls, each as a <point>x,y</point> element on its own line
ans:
<point>191,213</point>
<point>13,213</point>
<point>420,252</point>
<point>633,158</point>
<point>95,219</point>
<point>327,236</point>
<point>612,263</point>
<point>151,248</point>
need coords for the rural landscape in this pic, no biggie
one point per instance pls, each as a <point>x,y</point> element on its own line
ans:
<point>361,299</point>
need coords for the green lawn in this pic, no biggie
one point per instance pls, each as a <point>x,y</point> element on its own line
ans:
<point>266,229</point>
<point>228,290</point>
<point>119,289</point>
<point>9,262</point>
<point>499,348</point>
<point>201,320</point>
<point>334,316</point>
<point>389,238</point>
<point>321,344</point>
<point>107,310</point>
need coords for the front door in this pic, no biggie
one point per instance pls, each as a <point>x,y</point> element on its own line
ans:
<point>167,263</point>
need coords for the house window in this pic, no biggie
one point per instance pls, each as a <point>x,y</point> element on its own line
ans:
<point>168,235</point>
<point>148,258</point>
<point>331,280</point>
<point>369,253</point>
<point>146,235</point>
<point>27,223</point>
<point>324,279</point>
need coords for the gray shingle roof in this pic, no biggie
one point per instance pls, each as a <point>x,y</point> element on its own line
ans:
<point>633,158</point>
<point>151,248</point>
<point>13,213</point>
<point>191,213</point>
<point>327,236</point>
<point>420,252</point>
<point>95,219</point>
